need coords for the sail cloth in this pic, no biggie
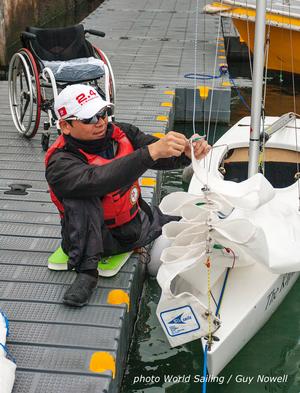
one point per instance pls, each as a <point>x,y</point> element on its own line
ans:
<point>273,210</point>
<point>7,367</point>
<point>248,194</point>
<point>271,214</point>
<point>242,223</point>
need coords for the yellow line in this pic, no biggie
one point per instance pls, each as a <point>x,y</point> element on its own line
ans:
<point>169,104</point>
<point>226,84</point>
<point>158,134</point>
<point>148,182</point>
<point>162,118</point>
<point>171,92</point>
<point>101,362</point>
<point>203,92</point>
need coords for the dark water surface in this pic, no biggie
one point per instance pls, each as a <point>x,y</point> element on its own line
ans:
<point>274,350</point>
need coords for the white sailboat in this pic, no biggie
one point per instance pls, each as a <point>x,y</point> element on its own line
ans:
<point>234,256</point>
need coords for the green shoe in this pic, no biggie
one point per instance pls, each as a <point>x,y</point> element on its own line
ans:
<point>58,260</point>
<point>109,266</point>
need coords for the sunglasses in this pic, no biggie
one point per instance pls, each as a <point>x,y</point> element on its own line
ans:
<point>94,120</point>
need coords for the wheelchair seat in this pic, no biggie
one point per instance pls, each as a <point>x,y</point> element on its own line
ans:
<point>72,71</point>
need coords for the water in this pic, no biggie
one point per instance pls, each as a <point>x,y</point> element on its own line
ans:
<point>274,350</point>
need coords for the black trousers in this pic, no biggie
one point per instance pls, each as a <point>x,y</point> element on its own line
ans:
<point>86,238</point>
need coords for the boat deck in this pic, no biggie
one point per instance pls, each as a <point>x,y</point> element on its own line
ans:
<point>277,6</point>
<point>150,45</point>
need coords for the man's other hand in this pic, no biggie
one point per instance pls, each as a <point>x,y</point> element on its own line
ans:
<point>173,144</point>
<point>200,146</point>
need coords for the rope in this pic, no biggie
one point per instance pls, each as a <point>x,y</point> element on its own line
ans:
<point>208,265</point>
<point>223,70</point>
<point>205,369</point>
<point>294,100</point>
<point>195,67</point>
<point>213,82</point>
<point>261,157</point>
<point>239,94</point>
<point>196,76</point>
<point>248,46</point>
<point>225,280</point>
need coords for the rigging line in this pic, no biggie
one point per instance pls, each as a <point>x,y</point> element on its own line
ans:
<point>236,88</point>
<point>218,108</point>
<point>204,369</point>
<point>204,67</point>
<point>213,83</point>
<point>281,60</point>
<point>294,97</point>
<point>228,270</point>
<point>195,66</point>
<point>248,45</point>
<point>214,135</point>
<point>212,95</point>
<point>263,112</point>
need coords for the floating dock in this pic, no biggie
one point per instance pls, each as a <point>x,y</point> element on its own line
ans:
<point>151,48</point>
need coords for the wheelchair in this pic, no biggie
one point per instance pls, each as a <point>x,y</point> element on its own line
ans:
<point>50,60</point>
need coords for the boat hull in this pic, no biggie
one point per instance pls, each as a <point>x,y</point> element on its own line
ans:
<point>234,337</point>
<point>284,51</point>
<point>252,293</point>
<point>282,29</point>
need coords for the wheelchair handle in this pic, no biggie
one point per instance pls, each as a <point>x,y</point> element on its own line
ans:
<point>95,32</point>
<point>26,34</point>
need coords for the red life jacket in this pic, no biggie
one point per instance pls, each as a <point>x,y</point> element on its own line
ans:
<point>120,206</point>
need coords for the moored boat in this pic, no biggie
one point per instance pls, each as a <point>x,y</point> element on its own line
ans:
<point>240,225</point>
<point>254,292</point>
<point>283,21</point>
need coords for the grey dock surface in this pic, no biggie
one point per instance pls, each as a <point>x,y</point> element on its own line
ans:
<point>150,44</point>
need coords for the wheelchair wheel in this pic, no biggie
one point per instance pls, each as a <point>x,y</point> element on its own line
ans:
<point>24,93</point>
<point>112,85</point>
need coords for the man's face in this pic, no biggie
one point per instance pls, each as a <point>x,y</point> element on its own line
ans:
<point>84,132</point>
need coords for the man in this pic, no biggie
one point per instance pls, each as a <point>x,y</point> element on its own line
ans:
<point>92,170</point>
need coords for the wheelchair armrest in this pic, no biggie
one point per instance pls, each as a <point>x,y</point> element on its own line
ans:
<point>26,34</point>
<point>95,32</point>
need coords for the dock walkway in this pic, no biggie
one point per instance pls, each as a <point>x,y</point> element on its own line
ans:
<point>150,44</point>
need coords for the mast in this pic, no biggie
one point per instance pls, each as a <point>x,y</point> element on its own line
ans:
<point>257,88</point>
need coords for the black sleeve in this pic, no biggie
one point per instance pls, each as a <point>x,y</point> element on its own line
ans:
<point>69,176</point>
<point>140,139</point>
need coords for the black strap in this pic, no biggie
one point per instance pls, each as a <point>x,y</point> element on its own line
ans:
<point>132,211</point>
<point>143,205</point>
<point>146,208</point>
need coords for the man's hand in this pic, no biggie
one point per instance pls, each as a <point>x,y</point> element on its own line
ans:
<point>173,144</point>
<point>200,146</point>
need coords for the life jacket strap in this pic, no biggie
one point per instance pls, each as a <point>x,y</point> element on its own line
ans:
<point>146,208</point>
<point>123,217</point>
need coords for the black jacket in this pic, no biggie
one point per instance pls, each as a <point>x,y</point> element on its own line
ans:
<point>70,176</point>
